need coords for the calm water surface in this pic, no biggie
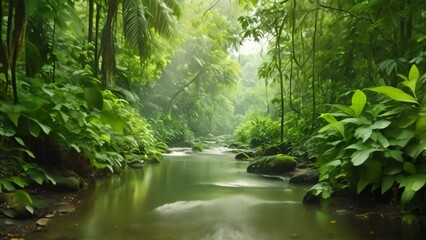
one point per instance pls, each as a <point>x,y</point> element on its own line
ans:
<point>208,196</point>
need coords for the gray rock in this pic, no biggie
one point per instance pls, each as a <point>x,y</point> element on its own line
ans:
<point>66,180</point>
<point>307,177</point>
<point>65,209</point>
<point>311,198</point>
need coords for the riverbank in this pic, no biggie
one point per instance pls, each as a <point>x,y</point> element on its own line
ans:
<point>55,204</point>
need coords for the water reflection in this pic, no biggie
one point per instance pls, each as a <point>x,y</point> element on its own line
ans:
<point>207,196</point>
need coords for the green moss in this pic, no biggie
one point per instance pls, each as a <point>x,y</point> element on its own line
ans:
<point>197,149</point>
<point>277,164</point>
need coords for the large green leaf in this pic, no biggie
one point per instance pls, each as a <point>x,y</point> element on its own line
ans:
<point>387,183</point>
<point>409,167</point>
<point>363,132</point>
<point>394,93</point>
<point>93,97</point>
<point>359,99</point>
<point>360,156</point>
<point>381,124</point>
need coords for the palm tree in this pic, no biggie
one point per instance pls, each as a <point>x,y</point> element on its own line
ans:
<point>139,16</point>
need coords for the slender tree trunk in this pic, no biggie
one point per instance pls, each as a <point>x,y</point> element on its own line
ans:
<point>17,42</point>
<point>313,71</point>
<point>8,48</point>
<point>90,22</point>
<point>53,49</point>
<point>293,51</point>
<point>107,45</point>
<point>96,57</point>
<point>3,56</point>
<point>281,77</point>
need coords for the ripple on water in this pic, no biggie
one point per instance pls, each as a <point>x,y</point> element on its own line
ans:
<point>240,201</point>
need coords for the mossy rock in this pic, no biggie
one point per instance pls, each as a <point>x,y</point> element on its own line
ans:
<point>244,155</point>
<point>278,164</point>
<point>197,149</point>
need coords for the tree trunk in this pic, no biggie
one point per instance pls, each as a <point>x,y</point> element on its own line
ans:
<point>107,45</point>
<point>17,41</point>
<point>96,57</point>
<point>281,77</point>
<point>313,71</point>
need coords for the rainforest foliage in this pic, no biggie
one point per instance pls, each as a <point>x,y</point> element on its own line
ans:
<point>92,85</point>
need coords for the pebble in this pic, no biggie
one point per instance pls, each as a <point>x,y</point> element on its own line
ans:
<point>65,209</point>
<point>43,222</point>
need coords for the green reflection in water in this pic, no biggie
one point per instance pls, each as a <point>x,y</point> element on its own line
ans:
<point>206,196</point>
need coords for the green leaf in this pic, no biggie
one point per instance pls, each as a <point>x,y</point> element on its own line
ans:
<point>414,74</point>
<point>394,93</point>
<point>94,98</point>
<point>359,99</point>
<point>360,156</point>
<point>387,183</point>
<point>18,181</point>
<point>418,184</point>
<point>363,132</point>
<point>407,195</point>
<point>382,124</point>
<point>357,146</point>
<point>383,141</point>
<point>345,109</point>
<point>395,154</point>
<point>6,184</point>
<point>409,167</point>
<point>20,141</point>
<point>22,198</point>
<point>329,118</point>
<point>14,117</point>
<point>420,125</point>
<point>370,172</point>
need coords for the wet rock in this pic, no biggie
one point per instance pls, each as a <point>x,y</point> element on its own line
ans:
<point>197,149</point>
<point>237,145</point>
<point>152,160</point>
<point>42,222</point>
<point>62,209</point>
<point>271,151</point>
<point>244,155</point>
<point>278,164</point>
<point>307,177</point>
<point>17,213</point>
<point>136,164</point>
<point>311,198</point>
<point>66,180</point>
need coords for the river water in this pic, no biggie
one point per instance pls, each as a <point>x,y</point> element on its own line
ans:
<point>208,196</point>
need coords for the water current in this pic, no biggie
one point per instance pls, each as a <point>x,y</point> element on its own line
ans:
<point>208,196</point>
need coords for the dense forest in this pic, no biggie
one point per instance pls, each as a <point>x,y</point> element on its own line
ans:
<point>95,85</point>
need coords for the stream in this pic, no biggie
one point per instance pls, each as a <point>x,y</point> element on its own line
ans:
<point>208,196</point>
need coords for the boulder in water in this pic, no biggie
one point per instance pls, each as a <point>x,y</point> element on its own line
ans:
<point>278,164</point>
<point>244,155</point>
<point>310,176</point>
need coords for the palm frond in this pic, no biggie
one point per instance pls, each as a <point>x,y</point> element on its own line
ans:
<point>135,26</point>
<point>161,13</point>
